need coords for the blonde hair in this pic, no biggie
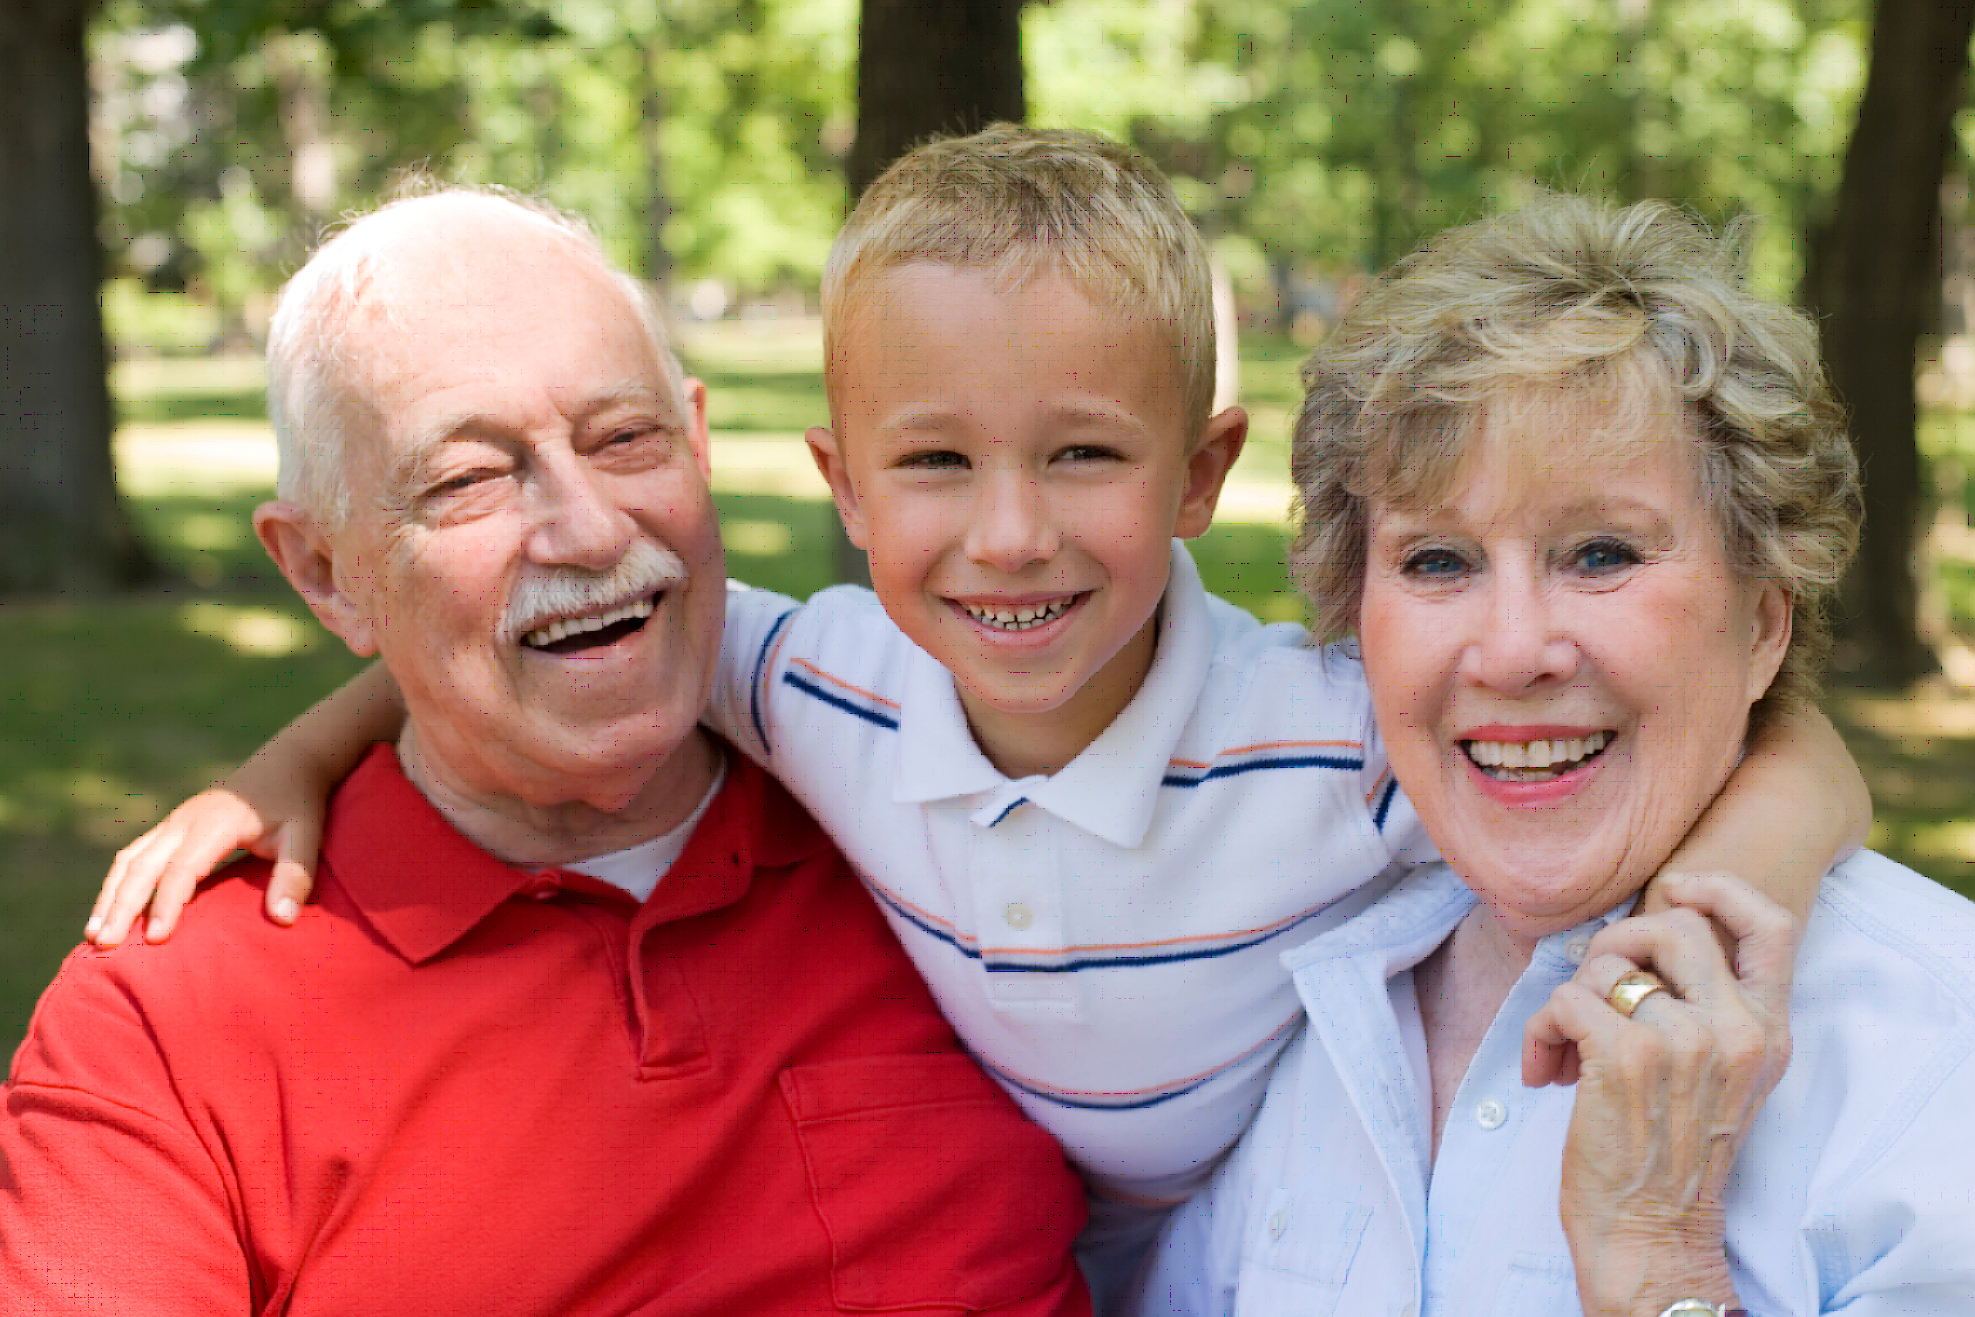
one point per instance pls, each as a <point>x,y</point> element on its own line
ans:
<point>312,394</point>
<point>1640,309</point>
<point>1022,203</point>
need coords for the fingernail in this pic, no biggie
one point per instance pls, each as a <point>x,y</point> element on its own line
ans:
<point>92,928</point>
<point>285,910</point>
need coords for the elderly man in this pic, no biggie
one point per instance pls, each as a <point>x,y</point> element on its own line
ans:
<point>593,1019</point>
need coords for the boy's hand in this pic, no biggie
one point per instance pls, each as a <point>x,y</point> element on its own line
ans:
<point>161,869</point>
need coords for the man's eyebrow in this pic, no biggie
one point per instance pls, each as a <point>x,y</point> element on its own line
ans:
<point>480,423</point>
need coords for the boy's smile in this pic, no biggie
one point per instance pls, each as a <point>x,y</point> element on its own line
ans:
<point>1014,459</point>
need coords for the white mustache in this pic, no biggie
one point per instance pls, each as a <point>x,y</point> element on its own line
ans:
<point>549,594</point>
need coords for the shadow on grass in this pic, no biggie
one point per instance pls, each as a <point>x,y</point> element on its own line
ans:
<point>113,713</point>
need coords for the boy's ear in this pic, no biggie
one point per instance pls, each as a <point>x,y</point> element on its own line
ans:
<point>829,460</point>
<point>1207,468</point>
<point>308,559</point>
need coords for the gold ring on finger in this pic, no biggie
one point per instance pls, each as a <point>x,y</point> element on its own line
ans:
<point>1633,987</point>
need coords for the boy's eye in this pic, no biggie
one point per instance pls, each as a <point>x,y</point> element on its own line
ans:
<point>1606,554</point>
<point>933,459</point>
<point>1087,453</point>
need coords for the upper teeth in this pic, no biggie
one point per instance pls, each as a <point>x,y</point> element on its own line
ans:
<point>1537,754</point>
<point>1019,616</point>
<point>575,626</point>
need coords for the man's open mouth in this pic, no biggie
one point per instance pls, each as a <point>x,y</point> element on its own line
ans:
<point>1020,617</point>
<point>571,635</point>
<point>1535,761</point>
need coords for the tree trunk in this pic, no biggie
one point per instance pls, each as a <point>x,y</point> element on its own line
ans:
<point>926,69</point>
<point>923,70</point>
<point>62,526</point>
<point>1878,282</point>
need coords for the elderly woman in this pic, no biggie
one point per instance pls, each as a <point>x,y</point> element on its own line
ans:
<point>1581,496</point>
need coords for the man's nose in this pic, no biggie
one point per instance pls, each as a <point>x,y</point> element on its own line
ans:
<point>1518,636</point>
<point>579,523</point>
<point>1011,527</point>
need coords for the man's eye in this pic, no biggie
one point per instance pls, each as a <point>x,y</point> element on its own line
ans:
<point>458,484</point>
<point>1604,555</point>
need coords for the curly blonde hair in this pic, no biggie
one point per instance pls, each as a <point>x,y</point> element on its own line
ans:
<point>1640,309</point>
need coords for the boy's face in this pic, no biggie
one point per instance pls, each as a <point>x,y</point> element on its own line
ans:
<point>1015,463</point>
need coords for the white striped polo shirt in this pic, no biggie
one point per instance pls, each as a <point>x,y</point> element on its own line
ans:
<point>1106,939</point>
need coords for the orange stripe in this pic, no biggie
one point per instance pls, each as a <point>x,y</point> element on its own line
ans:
<point>840,683</point>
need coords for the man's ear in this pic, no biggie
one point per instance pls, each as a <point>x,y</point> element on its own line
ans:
<point>696,427</point>
<point>829,460</point>
<point>1207,468</point>
<point>308,559</point>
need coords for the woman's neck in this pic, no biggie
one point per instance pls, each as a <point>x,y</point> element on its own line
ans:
<point>1461,986</point>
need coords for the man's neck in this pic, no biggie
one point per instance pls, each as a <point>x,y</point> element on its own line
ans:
<point>533,835</point>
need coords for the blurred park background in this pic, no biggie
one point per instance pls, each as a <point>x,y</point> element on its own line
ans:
<point>165,163</point>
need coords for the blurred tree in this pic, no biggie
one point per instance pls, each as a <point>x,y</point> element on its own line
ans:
<point>62,526</point>
<point>1877,278</point>
<point>924,70</point>
<point>927,69</point>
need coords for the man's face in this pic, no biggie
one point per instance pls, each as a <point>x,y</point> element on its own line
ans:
<point>532,545</point>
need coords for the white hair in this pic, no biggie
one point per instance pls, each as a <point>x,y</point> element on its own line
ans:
<point>312,395</point>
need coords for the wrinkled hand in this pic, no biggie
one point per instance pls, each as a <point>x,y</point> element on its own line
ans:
<point>159,871</point>
<point>1666,1098</point>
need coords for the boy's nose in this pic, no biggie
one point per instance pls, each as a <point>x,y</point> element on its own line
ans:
<point>1011,526</point>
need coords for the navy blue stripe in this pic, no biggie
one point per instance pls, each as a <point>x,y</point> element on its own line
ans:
<point>808,687</point>
<point>1116,961</point>
<point>1016,804</point>
<point>1257,765</point>
<point>754,686</point>
<point>1385,804</point>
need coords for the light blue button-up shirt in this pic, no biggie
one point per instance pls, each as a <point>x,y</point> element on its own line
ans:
<point>1855,1192</point>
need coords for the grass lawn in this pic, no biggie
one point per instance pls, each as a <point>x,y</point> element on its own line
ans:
<point>111,712</point>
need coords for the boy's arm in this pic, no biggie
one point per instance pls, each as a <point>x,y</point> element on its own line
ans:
<point>1794,807</point>
<point>272,805</point>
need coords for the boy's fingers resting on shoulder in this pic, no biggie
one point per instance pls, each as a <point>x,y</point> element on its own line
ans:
<point>293,879</point>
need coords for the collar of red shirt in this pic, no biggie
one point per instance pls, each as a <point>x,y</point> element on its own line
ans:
<point>423,886</point>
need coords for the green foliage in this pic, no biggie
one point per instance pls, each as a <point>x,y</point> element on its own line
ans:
<point>1332,136</point>
<point>706,139</point>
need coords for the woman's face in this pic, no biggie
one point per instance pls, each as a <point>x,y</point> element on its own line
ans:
<point>1562,661</point>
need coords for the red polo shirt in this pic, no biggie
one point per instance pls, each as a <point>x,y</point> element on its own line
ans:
<point>459,1087</point>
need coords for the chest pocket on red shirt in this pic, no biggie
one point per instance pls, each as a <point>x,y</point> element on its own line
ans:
<point>935,1191</point>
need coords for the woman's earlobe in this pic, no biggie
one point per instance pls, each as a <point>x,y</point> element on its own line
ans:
<point>1774,624</point>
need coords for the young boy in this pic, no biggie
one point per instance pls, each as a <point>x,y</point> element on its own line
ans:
<point>1095,802</point>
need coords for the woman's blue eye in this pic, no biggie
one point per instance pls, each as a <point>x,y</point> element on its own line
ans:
<point>1434,562</point>
<point>1605,555</point>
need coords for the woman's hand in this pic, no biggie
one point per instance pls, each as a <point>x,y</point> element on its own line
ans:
<point>1666,1097</point>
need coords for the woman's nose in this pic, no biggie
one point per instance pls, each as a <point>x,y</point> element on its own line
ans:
<point>1520,638</point>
